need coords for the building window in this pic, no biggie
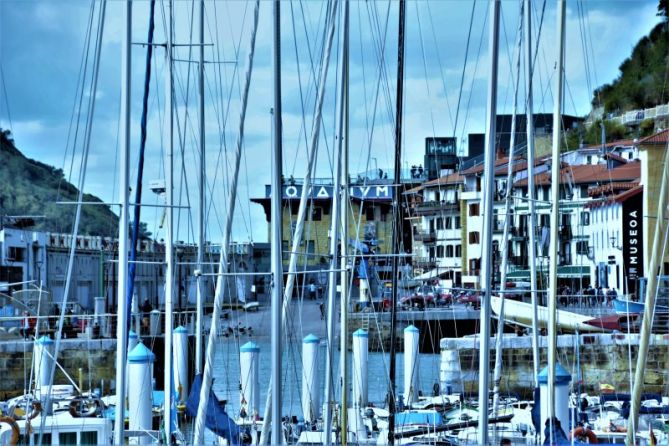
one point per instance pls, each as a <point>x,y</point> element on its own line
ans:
<point>449,250</point>
<point>457,223</point>
<point>440,223</point>
<point>474,210</point>
<point>311,247</point>
<point>369,213</point>
<point>473,238</point>
<point>449,223</point>
<point>585,218</point>
<point>316,214</point>
<point>458,250</point>
<point>588,159</point>
<point>15,254</point>
<point>440,251</point>
<point>582,248</point>
<point>432,252</point>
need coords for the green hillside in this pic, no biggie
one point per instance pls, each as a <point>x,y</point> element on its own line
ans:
<point>643,81</point>
<point>28,187</point>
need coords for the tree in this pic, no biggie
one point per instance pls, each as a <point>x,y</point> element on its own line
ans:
<point>662,9</point>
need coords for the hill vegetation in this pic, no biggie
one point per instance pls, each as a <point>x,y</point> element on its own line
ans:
<point>643,81</point>
<point>29,187</point>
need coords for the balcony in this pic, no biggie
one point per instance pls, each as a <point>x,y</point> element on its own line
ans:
<point>518,233</point>
<point>425,262</point>
<point>433,207</point>
<point>425,237</point>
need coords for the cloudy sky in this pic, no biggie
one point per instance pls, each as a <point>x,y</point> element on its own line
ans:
<point>45,44</point>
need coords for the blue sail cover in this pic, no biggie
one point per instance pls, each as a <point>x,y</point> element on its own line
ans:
<point>216,420</point>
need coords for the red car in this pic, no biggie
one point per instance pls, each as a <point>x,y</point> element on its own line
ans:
<point>470,298</point>
<point>423,297</point>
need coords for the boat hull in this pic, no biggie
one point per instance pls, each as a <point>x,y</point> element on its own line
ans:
<point>521,313</point>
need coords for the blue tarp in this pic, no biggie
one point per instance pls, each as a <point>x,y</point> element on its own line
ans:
<point>217,420</point>
<point>432,418</point>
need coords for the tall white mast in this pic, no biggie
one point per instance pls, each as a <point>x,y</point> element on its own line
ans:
<point>343,214</point>
<point>486,246</point>
<point>555,210</point>
<point>201,205</point>
<point>332,274</point>
<point>507,226</point>
<point>169,213</point>
<point>277,267</point>
<point>531,193</point>
<point>124,184</point>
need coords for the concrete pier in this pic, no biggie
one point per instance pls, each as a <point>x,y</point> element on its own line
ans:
<point>602,358</point>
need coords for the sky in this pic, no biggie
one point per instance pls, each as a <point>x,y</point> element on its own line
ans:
<point>45,44</point>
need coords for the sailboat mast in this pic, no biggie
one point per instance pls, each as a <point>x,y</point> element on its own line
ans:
<point>332,279</point>
<point>124,184</point>
<point>508,221</point>
<point>649,302</point>
<point>397,227</point>
<point>555,209</point>
<point>169,213</point>
<point>486,246</point>
<point>531,192</point>
<point>342,174</point>
<point>277,267</point>
<point>201,205</point>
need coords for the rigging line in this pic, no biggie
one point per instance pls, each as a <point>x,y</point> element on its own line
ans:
<point>586,61</point>
<point>325,139</point>
<point>588,32</point>
<point>4,89</point>
<point>220,283</point>
<point>441,68</point>
<point>390,109</point>
<point>464,68</point>
<point>476,65</point>
<point>427,83</point>
<point>303,126</point>
<point>381,52</point>
<point>77,107</point>
<point>75,228</point>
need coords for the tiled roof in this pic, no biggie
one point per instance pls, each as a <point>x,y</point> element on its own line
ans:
<point>615,198</point>
<point>501,165</point>
<point>658,138</point>
<point>609,188</point>
<point>454,178</point>
<point>618,143</point>
<point>589,173</point>
<point>615,157</point>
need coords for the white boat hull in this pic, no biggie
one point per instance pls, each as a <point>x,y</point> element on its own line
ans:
<point>521,313</point>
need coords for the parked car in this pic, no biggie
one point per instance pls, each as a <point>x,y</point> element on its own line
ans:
<point>443,297</point>
<point>425,296</point>
<point>470,298</point>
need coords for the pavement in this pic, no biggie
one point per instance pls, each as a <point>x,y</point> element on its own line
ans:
<point>304,318</point>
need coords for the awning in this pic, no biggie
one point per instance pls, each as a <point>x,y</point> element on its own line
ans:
<point>430,274</point>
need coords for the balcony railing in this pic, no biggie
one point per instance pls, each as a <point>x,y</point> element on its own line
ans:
<point>425,262</point>
<point>430,207</point>
<point>425,237</point>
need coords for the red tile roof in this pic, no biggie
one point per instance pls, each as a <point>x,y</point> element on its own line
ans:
<point>619,143</point>
<point>614,199</point>
<point>609,188</point>
<point>589,173</point>
<point>658,138</point>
